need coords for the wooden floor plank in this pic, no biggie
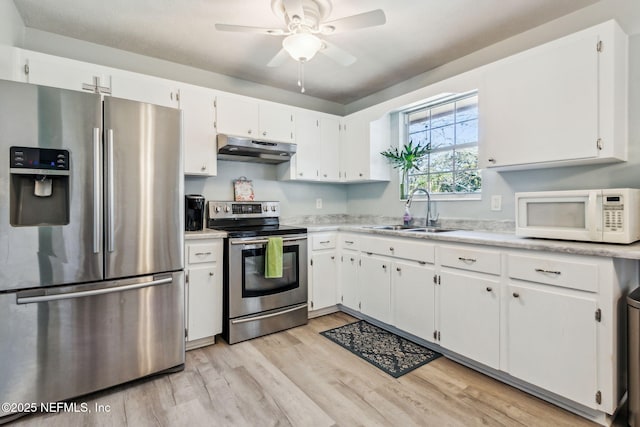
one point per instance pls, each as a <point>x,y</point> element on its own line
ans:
<point>300,378</point>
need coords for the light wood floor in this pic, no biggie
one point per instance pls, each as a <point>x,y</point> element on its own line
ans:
<point>299,378</point>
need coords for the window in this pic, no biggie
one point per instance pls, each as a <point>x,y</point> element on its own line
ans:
<point>451,127</point>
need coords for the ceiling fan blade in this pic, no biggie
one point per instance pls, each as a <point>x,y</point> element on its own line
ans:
<point>245,29</point>
<point>279,59</point>
<point>362,20</point>
<point>293,8</point>
<point>339,55</point>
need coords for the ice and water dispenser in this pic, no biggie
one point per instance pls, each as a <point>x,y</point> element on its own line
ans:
<point>39,186</point>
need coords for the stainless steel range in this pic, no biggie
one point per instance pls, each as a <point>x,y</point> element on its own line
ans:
<point>255,305</point>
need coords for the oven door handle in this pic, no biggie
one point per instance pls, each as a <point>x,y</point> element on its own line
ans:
<point>266,316</point>
<point>264,241</point>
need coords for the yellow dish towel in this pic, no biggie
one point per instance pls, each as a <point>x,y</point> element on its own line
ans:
<point>273,258</point>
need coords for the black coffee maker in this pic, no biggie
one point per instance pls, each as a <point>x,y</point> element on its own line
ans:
<point>193,212</point>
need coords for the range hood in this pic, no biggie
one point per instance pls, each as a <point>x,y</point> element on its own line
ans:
<point>254,150</point>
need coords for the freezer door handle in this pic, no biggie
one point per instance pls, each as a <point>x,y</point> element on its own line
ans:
<point>94,292</point>
<point>97,190</point>
<point>110,195</point>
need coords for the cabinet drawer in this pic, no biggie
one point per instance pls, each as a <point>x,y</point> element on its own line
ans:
<point>349,241</point>
<point>482,261</point>
<point>203,252</point>
<point>323,241</point>
<point>559,271</point>
<point>410,249</point>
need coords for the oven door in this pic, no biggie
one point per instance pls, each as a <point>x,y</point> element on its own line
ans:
<point>249,292</point>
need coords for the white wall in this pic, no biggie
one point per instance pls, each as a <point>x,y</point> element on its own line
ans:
<point>384,197</point>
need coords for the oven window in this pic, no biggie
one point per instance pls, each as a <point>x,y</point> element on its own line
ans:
<point>254,284</point>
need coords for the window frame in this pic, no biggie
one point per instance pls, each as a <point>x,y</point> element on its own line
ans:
<point>446,99</point>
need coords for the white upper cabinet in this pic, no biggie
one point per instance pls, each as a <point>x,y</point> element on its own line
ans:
<point>361,142</point>
<point>198,130</point>
<point>329,166</point>
<point>9,63</point>
<point>561,103</point>
<point>143,88</point>
<point>250,118</point>
<point>48,70</point>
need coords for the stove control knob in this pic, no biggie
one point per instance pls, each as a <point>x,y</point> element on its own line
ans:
<point>273,208</point>
<point>227,208</point>
<point>217,209</point>
<point>265,208</point>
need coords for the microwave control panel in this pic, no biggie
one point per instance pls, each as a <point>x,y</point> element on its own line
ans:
<point>612,211</point>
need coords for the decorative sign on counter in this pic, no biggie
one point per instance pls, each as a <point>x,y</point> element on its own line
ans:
<point>243,190</point>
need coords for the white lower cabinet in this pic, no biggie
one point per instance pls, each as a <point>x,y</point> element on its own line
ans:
<point>470,315</point>
<point>323,271</point>
<point>551,340</point>
<point>203,293</point>
<point>374,277</point>
<point>349,285</point>
<point>413,298</point>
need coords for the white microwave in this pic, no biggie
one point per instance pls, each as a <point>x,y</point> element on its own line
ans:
<point>610,215</point>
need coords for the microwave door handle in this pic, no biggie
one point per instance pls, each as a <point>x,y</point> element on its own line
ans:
<point>593,205</point>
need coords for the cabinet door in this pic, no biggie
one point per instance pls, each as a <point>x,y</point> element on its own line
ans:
<point>375,287</point>
<point>329,156</point>
<point>542,105</point>
<point>308,146</point>
<point>10,67</point>
<point>139,87</point>
<point>276,123</point>
<point>204,309</point>
<point>349,285</point>
<point>237,116</point>
<point>354,150</point>
<point>413,299</point>
<point>198,130</point>
<point>551,340</point>
<point>63,73</point>
<point>470,316</point>
<point>324,272</point>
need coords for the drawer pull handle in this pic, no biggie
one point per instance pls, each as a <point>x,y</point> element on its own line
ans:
<point>203,253</point>
<point>516,295</point>
<point>325,242</point>
<point>469,260</point>
<point>384,266</point>
<point>211,273</point>
<point>333,257</point>
<point>489,288</point>
<point>349,242</point>
<point>352,259</point>
<point>541,270</point>
<point>422,262</point>
<point>398,269</point>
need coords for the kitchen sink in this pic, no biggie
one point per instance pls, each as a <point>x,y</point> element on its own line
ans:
<point>393,227</point>
<point>428,230</point>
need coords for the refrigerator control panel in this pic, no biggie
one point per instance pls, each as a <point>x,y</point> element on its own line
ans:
<point>39,158</point>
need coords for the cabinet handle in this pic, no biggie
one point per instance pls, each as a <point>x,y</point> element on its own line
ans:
<point>398,269</point>
<point>516,295</point>
<point>469,260</point>
<point>360,174</point>
<point>491,160</point>
<point>204,167</point>
<point>352,259</point>
<point>300,174</point>
<point>349,242</point>
<point>333,257</point>
<point>210,273</point>
<point>391,248</point>
<point>384,266</point>
<point>489,288</point>
<point>325,242</point>
<point>541,270</point>
<point>249,131</point>
<point>325,175</point>
<point>422,262</point>
<point>203,253</point>
<point>264,133</point>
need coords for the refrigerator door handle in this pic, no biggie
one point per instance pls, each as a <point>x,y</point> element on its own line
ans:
<point>97,190</point>
<point>110,195</point>
<point>83,294</point>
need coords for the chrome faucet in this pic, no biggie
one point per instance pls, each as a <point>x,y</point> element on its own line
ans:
<point>429,222</point>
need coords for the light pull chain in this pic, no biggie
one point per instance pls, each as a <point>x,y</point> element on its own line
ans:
<point>301,75</point>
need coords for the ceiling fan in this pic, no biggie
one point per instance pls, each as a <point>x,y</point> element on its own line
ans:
<point>305,22</point>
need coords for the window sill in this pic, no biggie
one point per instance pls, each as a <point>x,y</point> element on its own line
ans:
<point>447,197</point>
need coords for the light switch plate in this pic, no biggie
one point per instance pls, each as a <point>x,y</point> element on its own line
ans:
<point>496,203</point>
<point>318,203</point>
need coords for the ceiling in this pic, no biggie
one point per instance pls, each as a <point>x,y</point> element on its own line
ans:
<point>418,36</point>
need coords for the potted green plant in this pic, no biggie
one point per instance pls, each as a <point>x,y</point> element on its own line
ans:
<point>406,158</point>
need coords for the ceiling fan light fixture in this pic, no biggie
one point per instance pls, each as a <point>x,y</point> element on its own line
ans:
<point>302,46</point>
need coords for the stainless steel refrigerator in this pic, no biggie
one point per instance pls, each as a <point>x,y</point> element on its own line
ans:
<point>91,242</point>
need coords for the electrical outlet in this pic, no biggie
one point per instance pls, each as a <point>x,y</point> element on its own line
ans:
<point>496,203</point>
<point>318,203</point>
